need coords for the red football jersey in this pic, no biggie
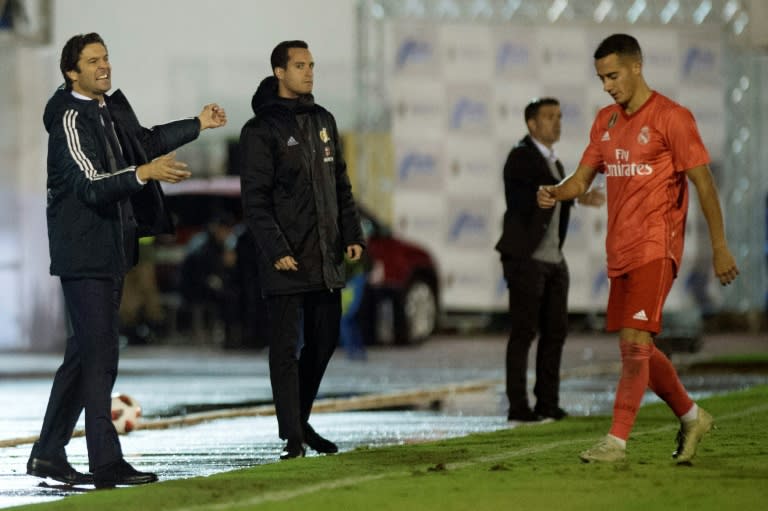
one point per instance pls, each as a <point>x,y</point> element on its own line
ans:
<point>644,156</point>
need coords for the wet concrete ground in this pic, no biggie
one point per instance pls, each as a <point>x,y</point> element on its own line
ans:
<point>173,379</point>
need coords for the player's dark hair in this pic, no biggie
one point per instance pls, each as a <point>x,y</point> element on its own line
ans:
<point>623,45</point>
<point>532,109</point>
<point>279,57</point>
<point>70,54</point>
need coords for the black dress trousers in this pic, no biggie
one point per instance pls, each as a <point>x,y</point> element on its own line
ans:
<point>86,377</point>
<point>538,303</point>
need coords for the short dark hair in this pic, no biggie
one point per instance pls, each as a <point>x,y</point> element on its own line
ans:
<point>279,57</point>
<point>532,108</point>
<point>70,54</point>
<point>623,45</point>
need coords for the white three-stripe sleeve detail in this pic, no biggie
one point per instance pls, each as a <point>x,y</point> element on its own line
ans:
<point>76,150</point>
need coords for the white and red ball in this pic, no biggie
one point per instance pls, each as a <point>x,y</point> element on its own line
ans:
<point>125,413</point>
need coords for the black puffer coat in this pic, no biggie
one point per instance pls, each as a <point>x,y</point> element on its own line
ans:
<point>92,230</point>
<point>297,199</point>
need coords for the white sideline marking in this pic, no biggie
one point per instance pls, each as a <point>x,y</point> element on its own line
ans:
<point>350,481</point>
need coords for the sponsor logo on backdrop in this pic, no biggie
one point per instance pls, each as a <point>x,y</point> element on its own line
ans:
<point>556,56</point>
<point>469,114</point>
<point>413,52</point>
<point>468,227</point>
<point>655,60</point>
<point>418,168</point>
<point>465,279</point>
<point>463,55</point>
<point>699,61</point>
<point>512,55</point>
<point>572,112</point>
<point>470,168</point>
<point>418,225</point>
<point>413,110</point>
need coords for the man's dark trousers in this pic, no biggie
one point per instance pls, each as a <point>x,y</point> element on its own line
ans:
<point>538,301</point>
<point>314,317</point>
<point>87,375</point>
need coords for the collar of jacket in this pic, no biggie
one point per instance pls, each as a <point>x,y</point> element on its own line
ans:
<point>266,95</point>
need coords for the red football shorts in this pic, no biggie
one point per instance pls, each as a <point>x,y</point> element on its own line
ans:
<point>637,297</point>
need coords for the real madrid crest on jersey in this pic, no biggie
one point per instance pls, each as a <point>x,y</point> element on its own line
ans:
<point>644,136</point>
<point>324,136</point>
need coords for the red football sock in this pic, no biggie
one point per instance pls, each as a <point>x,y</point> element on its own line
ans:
<point>663,380</point>
<point>632,384</point>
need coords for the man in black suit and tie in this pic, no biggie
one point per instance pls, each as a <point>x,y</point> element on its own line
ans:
<point>534,266</point>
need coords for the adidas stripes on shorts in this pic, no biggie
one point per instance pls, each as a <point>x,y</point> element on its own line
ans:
<point>637,297</point>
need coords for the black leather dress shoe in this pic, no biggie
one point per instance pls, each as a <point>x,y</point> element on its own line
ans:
<point>58,470</point>
<point>318,443</point>
<point>293,449</point>
<point>522,415</point>
<point>121,473</point>
<point>550,412</point>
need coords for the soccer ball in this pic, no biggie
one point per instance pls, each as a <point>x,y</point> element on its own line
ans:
<point>125,413</point>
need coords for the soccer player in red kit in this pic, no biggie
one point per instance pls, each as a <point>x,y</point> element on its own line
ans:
<point>647,146</point>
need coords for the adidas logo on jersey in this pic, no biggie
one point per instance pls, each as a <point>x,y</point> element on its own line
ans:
<point>292,142</point>
<point>640,315</point>
<point>606,137</point>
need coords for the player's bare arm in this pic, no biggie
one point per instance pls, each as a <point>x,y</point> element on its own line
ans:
<point>594,197</point>
<point>723,261</point>
<point>571,187</point>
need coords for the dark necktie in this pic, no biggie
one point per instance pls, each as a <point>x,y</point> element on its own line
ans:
<point>114,153</point>
<point>560,170</point>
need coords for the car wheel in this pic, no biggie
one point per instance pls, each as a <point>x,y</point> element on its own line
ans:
<point>418,313</point>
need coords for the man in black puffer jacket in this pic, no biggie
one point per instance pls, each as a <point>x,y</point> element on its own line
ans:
<point>297,201</point>
<point>103,194</point>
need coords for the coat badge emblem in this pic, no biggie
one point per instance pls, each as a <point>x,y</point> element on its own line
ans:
<point>324,136</point>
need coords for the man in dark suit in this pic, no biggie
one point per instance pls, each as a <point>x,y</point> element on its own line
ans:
<point>103,194</point>
<point>534,266</point>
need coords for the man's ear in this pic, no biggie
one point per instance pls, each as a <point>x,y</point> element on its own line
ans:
<point>279,73</point>
<point>72,75</point>
<point>531,123</point>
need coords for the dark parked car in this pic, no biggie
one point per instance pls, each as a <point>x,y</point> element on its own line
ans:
<point>400,299</point>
